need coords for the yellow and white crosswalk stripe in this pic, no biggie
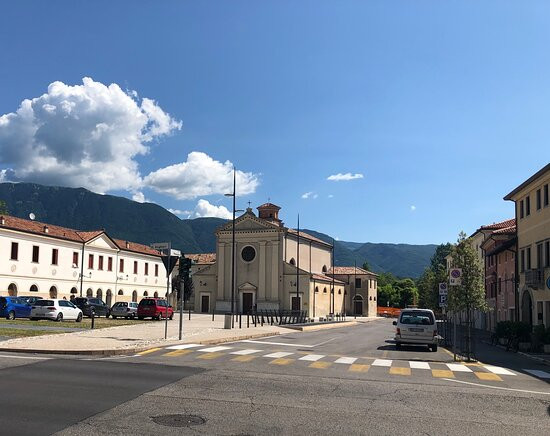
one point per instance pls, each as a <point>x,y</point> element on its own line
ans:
<point>457,367</point>
<point>312,357</point>
<point>245,352</point>
<point>150,350</point>
<point>183,346</point>
<point>382,362</point>
<point>357,367</point>
<point>346,360</point>
<point>278,354</point>
<point>419,365</point>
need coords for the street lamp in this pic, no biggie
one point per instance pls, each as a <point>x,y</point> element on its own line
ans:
<point>233,194</point>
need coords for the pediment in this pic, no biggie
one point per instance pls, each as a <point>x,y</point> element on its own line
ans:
<point>247,286</point>
<point>102,241</point>
<point>249,222</point>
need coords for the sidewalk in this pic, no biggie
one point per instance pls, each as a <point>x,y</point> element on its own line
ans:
<point>137,337</point>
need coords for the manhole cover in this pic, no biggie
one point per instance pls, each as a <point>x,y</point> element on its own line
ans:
<point>178,420</point>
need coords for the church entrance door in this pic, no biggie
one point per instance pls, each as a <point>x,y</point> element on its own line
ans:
<point>358,307</point>
<point>205,303</point>
<point>248,299</point>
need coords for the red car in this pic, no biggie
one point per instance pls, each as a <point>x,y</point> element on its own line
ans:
<point>156,308</point>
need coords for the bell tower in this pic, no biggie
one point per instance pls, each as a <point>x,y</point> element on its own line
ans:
<point>269,212</point>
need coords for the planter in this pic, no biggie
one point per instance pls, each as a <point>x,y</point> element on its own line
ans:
<point>524,346</point>
<point>546,348</point>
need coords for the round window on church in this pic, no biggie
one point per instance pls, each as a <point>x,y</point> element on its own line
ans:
<point>248,254</point>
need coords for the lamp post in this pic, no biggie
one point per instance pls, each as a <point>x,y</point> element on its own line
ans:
<point>298,267</point>
<point>355,288</point>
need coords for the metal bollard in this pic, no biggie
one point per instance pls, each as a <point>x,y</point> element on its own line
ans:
<point>255,321</point>
<point>239,320</point>
<point>189,313</point>
<point>247,320</point>
<point>212,315</point>
<point>93,319</point>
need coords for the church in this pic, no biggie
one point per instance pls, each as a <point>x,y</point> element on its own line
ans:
<point>278,268</point>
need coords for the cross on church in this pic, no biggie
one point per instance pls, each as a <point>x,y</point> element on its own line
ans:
<point>248,203</point>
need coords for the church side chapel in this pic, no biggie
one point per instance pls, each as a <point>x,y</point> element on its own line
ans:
<point>279,268</point>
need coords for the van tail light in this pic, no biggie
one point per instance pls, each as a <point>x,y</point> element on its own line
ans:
<point>51,308</point>
<point>398,331</point>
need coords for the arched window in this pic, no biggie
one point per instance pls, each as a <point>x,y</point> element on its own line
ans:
<point>120,292</point>
<point>34,288</point>
<point>134,296</point>
<point>99,294</point>
<point>156,295</point>
<point>53,292</point>
<point>146,294</point>
<point>89,293</point>
<point>324,268</point>
<point>74,291</point>
<point>324,290</point>
<point>316,289</point>
<point>12,290</point>
<point>339,291</point>
<point>358,298</point>
<point>292,261</point>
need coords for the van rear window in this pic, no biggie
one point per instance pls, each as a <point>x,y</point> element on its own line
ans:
<point>417,318</point>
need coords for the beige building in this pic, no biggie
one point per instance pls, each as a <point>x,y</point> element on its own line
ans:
<point>532,207</point>
<point>360,289</point>
<point>276,268</point>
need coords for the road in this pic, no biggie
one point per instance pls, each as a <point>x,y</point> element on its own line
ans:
<point>347,381</point>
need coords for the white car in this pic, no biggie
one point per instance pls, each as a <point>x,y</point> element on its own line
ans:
<point>57,310</point>
<point>416,326</point>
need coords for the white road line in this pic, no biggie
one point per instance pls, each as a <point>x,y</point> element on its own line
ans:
<point>214,349</point>
<point>494,387</point>
<point>419,365</point>
<point>382,362</point>
<point>538,373</point>
<point>312,357</point>
<point>277,343</point>
<point>346,360</point>
<point>245,352</point>
<point>458,367</point>
<point>498,370</point>
<point>278,355</point>
<point>182,346</point>
<point>25,357</point>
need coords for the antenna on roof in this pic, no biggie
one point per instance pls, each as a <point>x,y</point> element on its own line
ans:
<point>32,216</point>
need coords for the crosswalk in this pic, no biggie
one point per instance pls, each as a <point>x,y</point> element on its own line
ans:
<point>353,364</point>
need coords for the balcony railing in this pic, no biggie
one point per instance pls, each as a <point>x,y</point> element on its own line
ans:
<point>534,278</point>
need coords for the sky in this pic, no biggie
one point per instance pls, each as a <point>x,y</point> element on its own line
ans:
<point>375,121</point>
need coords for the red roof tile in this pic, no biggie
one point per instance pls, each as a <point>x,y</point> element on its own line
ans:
<point>499,225</point>
<point>505,231</point>
<point>307,236</point>
<point>325,278</point>
<point>202,258</point>
<point>136,248</point>
<point>348,270</point>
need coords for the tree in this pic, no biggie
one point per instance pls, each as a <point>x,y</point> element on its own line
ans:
<point>366,265</point>
<point>3,208</point>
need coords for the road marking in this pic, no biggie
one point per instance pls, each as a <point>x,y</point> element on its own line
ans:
<point>496,387</point>
<point>210,355</point>
<point>182,346</point>
<point>312,357</point>
<point>150,350</point>
<point>278,354</point>
<point>419,365</point>
<point>324,342</point>
<point>442,373</point>
<point>457,367</point>
<point>278,343</point>
<point>25,357</point>
<point>215,349</point>
<point>498,370</point>
<point>281,361</point>
<point>346,360</point>
<point>244,358</point>
<point>400,371</point>
<point>538,373</point>
<point>487,376</point>
<point>320,365</point>
<point>381,362</point>
<point>245,352</point>
<point>177,353</point>
<point>356,367</point>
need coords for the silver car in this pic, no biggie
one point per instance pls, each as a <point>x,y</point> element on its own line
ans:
<point>123,309</point>
<point>416,326</point>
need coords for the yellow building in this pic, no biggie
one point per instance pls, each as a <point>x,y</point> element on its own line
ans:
<point>532,207</point>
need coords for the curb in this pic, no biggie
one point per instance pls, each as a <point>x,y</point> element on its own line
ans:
<point>134,350</point>
<point>327,326</point>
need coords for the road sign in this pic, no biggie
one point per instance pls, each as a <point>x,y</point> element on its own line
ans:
<point>161,246</point>
<point>443,289</point>
<point>442,301</point>
<point>455,276</point>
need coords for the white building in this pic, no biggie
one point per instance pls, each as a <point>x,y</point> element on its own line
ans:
<point>44,260</point>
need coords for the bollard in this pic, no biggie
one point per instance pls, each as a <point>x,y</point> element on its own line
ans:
<point>239,320</point>
<point>93,319</point>
<point>189,313</point>
<point>212,315</point>
<point>262,321</point>
<point>255,321</point>
<point>247,320</point>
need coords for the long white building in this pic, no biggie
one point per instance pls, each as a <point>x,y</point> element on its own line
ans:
<point>39,259</point>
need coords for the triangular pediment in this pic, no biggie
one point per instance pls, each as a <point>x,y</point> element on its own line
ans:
<point>247,286</point>
<point>249,222</point>
<point>102,241</point>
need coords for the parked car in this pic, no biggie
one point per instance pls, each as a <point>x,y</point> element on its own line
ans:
<point>29,299</point>
<point>90,305</point>
<point>14,307</point>
<point>416,326</point>
<point>124,310</point>
<point>57,310</point>
<point>156,308</point>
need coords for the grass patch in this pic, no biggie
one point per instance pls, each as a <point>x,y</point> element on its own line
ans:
<point>86,323</point>
<point>23,333</point>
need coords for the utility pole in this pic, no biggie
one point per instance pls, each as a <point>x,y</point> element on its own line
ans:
<point>298,267</point>
<point>355,288</point>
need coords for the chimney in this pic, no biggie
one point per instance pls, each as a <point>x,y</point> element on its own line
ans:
<point>46,230</point>
<point>127,244</point>
<point>2,221</point>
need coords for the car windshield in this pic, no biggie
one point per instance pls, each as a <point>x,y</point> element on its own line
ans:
<point>120,304</point>
<point>417,318</point>
<point>147,303</point>
<point>44,303</point>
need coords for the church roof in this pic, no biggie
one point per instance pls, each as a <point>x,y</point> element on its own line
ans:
<point>202,258</point>
<point>325,278</point>
<point>307,236</point>
<point>268,205</point>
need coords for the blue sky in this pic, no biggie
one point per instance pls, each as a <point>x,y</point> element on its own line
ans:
<point>442,107</point>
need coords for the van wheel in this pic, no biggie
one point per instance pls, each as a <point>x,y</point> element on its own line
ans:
<point>11,315</point>
<point>59,317</point>
<point>434,348</point>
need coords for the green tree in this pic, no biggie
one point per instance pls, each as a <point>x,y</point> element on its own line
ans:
<point>3,208</point>
<point>366,265</point>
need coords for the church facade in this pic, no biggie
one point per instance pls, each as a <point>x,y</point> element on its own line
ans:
<point>275,268</point>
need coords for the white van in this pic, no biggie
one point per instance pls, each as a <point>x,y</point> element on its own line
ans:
<point>416,326</point>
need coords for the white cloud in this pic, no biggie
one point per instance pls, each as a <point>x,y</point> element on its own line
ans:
<point>413,208</point>
<point>309,195</point>
<point>344,177</point>
<point>204,209</point>
<point>200,175</point>
<point>330,196</point>
<point>83,135</point>
<point>184,213</point>
<point>139,197</point>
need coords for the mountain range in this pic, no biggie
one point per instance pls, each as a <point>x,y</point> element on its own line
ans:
<point>81,209</point>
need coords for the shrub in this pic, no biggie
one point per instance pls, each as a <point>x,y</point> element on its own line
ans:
<point>509,329</point>
<point>504,329</point>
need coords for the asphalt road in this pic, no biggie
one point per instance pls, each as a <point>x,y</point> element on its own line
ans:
<point>346,381</point>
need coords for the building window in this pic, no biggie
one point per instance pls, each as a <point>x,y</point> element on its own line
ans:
<point>292,261</point>
<point>33,288</point>
<point>146,268</point>
<point>121,266</point>
<point>527,205</point>
<point>55,256</point>
<point>14,251</point>
<point>528,257</point>
<point>521,209</point>
<point>35,253</point>
<point>358,283</point>
<point>156,270</point>
<point>546,195</point>
<point>100,263</point>
<point>135,267</point>
<point>90,261</point>
<point>248,253</point>
<point>109,264</point>
<point>547,249</point>
<point>540,260</point>
<point>75,259</point>
<point>538,199</point>
<point>522,263</point>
